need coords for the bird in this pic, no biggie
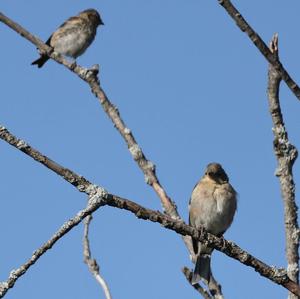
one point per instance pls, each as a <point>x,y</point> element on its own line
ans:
<point>212,205</point>
<point>74,36</point>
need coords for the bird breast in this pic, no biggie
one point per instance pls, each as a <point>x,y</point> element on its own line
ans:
<point>213,207</point>
<point>74,42</point>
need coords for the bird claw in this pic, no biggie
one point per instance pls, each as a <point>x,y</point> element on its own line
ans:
<point>95,69</point>
<point>91,72</point>
<point>73,65</point>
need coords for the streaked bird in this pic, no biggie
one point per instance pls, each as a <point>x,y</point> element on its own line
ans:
<point>74,36</point>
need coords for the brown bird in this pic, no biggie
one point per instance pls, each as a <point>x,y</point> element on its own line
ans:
<point>74,36</point>
<point>212,205</point>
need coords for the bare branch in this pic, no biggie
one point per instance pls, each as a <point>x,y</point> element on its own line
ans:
<point>188,275</point>
<point>286,154</point>
<point>278,276</point>
<point>90,77</point>
<point>92,263</point>
<point>215,288</point>
<point>96,202</point>
<point>76,180</point>
<point>101,197</point>
<point>260,45</point>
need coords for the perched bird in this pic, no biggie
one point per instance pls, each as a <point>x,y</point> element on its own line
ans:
<point>74,36</point>
<point>212,206</point>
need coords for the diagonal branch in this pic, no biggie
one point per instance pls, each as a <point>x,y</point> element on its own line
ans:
<point>90,77</point>
<point>99,196</point>
<point>286,154</point>
<point>188,275</point>
<point>64,229</point>
<point>260,45</point>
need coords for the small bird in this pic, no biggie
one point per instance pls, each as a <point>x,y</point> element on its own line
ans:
<point>74,36</point>
<point>212,205</point>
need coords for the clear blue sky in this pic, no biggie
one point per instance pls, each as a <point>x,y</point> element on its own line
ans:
<point>192,88</point>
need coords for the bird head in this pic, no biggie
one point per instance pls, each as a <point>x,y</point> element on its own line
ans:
<point>93,16</point>
<point>215,172</point>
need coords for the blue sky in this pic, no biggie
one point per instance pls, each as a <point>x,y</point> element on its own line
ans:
<point>192,88</point>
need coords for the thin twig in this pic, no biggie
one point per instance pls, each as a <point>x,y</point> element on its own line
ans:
<point>286,154</point>
<point>101,197</point>
<point>229,248</point>
<point>188,275</point>
<point>215,288</point>
<point>90,77</point>
<point>260,45</point>
<point>92,263</point>
<point>71,177</point>
<point>14,275</point>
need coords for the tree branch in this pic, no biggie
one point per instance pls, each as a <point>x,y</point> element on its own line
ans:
<point>188,275</point>
<point>148,168</point>
<point>260,45</point>
<point>90,77</point>
<point>286,154</point>
<point>97,200</point>
<point>101,197</point>
<point>90,262</point>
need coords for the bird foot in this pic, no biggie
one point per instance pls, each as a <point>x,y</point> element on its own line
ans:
<point>73,65</point>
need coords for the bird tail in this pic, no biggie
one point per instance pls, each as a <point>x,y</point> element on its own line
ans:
<point>40,61</point>
<point>202,269</point>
